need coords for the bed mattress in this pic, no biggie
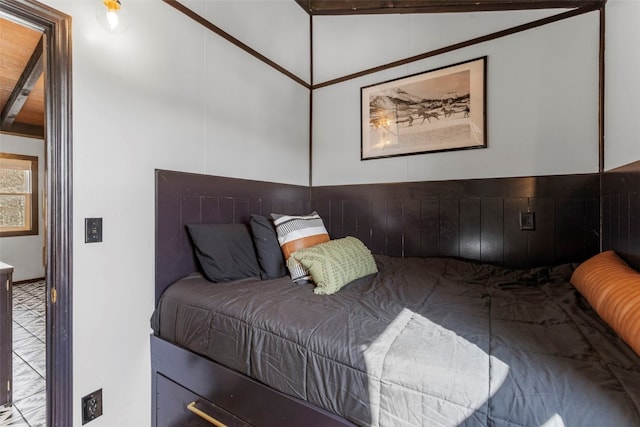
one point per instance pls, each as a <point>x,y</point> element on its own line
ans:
<point>426,341</point>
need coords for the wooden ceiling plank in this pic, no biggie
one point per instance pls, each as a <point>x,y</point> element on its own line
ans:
<point>23,88</point>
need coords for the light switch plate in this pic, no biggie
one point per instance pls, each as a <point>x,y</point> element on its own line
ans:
<point>92,230</point>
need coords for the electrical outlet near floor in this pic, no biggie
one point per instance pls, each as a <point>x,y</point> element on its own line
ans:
<point>527,220</point>
<point>91,406</point>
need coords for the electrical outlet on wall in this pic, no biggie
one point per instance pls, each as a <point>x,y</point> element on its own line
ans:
<point>527,220</point>
<point>91,406</point>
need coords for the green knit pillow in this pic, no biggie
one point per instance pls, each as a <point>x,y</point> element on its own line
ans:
<point>335,263</point>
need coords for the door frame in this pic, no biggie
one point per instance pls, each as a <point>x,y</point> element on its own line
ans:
<point>56,28</point>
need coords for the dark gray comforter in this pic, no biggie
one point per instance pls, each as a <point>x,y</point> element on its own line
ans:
<point>424,342</point>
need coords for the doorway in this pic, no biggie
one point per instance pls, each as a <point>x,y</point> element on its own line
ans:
<point>56,29</point>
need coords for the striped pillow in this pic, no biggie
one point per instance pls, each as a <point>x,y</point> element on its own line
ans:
<point>297,232</point>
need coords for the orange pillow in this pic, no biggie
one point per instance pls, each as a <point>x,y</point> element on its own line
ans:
<point>613,290</point>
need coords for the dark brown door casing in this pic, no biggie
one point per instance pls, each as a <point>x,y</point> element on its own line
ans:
<point>56,28</point>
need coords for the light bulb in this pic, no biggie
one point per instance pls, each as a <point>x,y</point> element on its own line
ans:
<point>111,19</point>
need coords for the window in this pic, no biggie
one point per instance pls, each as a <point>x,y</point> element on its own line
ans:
<point>18,195</point>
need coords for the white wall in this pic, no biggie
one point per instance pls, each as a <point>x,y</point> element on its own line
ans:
<point>351,43</point>
<point>542,96</point>
<point>167,94</point>
<point>622,86</point>
<point>24,253</point>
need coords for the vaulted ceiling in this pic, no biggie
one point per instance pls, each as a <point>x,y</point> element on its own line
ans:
<point>21,62</point>
<point>21,80</point>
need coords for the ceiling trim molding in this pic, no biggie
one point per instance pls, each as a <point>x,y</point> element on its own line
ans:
<point>373,7</point>
<point>24,130</point>
<point>601,93</point>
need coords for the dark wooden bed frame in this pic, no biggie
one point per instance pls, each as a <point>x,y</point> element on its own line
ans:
<point>180,376</point>
<point>471,219</point>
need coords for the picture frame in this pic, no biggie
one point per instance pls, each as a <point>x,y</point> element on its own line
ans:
<point>443,109</point>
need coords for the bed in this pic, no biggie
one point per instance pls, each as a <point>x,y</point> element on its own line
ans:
<point>422,341</point>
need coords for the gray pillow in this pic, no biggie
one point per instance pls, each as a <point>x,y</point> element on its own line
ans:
<point>225,251</point>
<point>267,247</point>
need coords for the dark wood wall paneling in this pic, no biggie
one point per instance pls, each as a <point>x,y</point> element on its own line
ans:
<point>473,219</point>
<point>621,212</point>
<point>186,198</point>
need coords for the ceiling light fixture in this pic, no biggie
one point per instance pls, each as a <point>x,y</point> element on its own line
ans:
<point>111,19</point>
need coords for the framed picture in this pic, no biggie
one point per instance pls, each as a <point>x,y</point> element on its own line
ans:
<point>438,110</point>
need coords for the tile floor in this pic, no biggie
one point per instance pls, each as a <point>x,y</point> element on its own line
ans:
<point>29,358</point>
